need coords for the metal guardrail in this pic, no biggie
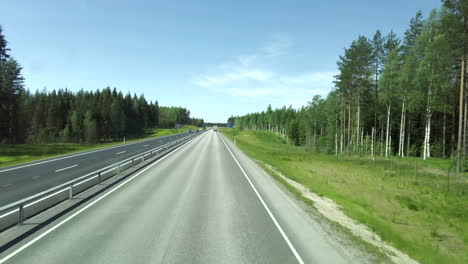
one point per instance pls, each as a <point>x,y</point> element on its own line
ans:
<point>140,158</point>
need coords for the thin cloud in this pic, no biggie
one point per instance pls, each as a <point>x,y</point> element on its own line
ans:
<point>247,77</point>
<point>278,46</point>
<point>235,75</point>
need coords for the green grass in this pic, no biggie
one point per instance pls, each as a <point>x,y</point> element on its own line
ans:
<point>404,200</point>
<point>16,154</point>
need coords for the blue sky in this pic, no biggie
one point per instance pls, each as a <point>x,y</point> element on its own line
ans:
<point>216,58</point>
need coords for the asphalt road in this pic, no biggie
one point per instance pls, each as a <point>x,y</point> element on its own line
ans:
<point>20,181</point>
<point>203,203</point>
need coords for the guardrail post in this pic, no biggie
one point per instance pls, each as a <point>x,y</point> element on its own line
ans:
<point>99,177</point>
<point>20,214</point>
<point>132,162</point>
<point>70,191</point>
<point>118,169</point>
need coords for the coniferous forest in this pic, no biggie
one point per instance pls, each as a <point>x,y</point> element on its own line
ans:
<point>394,95</point>
<point>79,117</point>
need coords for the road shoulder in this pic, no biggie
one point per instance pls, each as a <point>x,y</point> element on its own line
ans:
<point>316,239</point>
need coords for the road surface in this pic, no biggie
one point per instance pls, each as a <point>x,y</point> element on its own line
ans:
<point>203,203</point>
<point>20,181</point>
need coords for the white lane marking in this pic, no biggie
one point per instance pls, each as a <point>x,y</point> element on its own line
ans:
<point>7,185</point>
<point>12,254</point>
<point>298,257</point>
<point>36,177</point>
<point>121,152</point>
<point>102,173</point>
<point>146,145</point>
<point>80,154</point>
<point>73,166</point>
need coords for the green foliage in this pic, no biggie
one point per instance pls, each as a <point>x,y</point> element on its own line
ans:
<point>82,117</point>
<point>170,116</point>
<point>406,87</point>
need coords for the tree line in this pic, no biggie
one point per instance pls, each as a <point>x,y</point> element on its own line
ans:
<point>83,116</point>
<point>393,96</point>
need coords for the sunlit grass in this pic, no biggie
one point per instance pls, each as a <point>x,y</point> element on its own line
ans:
<point>404,200</point>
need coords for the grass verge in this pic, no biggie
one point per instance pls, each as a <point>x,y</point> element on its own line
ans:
<point>16,154</point>
<point>405,201</point>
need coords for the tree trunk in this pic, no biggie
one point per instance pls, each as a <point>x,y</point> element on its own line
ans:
<point>358,125</point>
<point>343,122</point>
<point>427,134</point>
<point>372,142</point>
<point>387,143</point>
<point>460,115</point>
<point>313,142</point>
<point>382,139</point>
<point>390,143</point>
<point>444,130</point>
<point>349,127</point>
<point>408,142</point>
<point>401,143</point>
<point>464,130</point>
<point>336,143</point>
<point>361,141</point>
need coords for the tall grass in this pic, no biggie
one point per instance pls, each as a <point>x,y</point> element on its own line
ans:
<point>404,200</point>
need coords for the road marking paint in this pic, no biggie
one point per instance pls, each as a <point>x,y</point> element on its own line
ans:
<point>35,177</point>
<point>12,254</point>
<point>79,154</point>
<point>102,173</point>
<point>298,257</point>
<point>73,166</point>
<point>6,185</point>
<point>121,152</point>
<point>146,145</point>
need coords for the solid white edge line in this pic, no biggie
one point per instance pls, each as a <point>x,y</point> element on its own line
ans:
<point>104,172</point>
<point>73,166</point>
<point>12,254</point>
<point>50,195</point>
<point>80,154</point>
<point>291,246</point>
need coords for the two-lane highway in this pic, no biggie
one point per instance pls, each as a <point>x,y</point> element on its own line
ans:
<point>202,203</point>
<point>21,181</point>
